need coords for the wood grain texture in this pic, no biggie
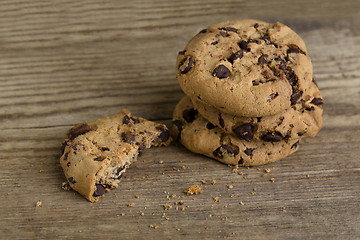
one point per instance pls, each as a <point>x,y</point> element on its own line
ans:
<point>63,62</point>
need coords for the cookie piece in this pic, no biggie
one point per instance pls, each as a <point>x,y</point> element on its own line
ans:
<point>302,120</point>
<point>96,154</point>
<point>200,136</point>
<point>245,67</point>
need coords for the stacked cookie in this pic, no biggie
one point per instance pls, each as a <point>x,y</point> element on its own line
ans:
<point>250,92</point>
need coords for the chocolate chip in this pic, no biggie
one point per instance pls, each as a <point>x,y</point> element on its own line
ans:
<point>272,137</point>
<point>186,65</point>
<point>266,37</point>
<point>72,180</point>
<point>100,190</point>
<point>295,145</point>
<point>203,31</point>
<point>164,136</point>
<point>262,59</point>
<point>221,72</point>
<point>209,125</point>
<point>68,164</point>
<point>310,108</point>
<point>224,34</point>
<point>63,145</point>
<point>243,45</point>
<point>244,131</point>
<point>231,29</point>
<point>66,156</point>
<point>291,125</point>
<point>99,159</point>
<point>237,55</point>
<point>128,137</point>
<point>258,119</point>
<point>295,97</point>
<point>241,161</point>
<point>221,121</point>
<point>317,101</point>
<point>218,153</point>
<point>214,43</point>
<point>233,150</point>
<point>105,149</point>
<point>249,151</point>
<point>295,49</point>
<point>267,75</point>
<point>179,124</point>
<point>182,52</point>
<point>256,25</point>
<point>189,115</point>
<point>300,134</point>
<point>78,130</point>
<point>272,96</point>
<point>126,119</point>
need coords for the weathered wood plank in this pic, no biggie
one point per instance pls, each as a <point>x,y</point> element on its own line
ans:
<point>63,62</point>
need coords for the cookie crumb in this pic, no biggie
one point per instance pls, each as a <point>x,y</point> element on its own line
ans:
<point>66,186</point>
<point>263,175</point>
<point>136,196</point>
<point>213,182</point>
<point>241,203</point>
<point>131,205</point>
<point>240,173</point>
<point>122,214</point>
<point>272,180</point>
<point>38,204</point>
<point>142,214</point>
<point>229,186</point>
<point>177,229</point>
<point>167,206</point>
<point>206,228</point>
<point>193,189</point>
<point>283,209</point>
<point>267,170</point>
<point>161,162</point>
<point>307,176</point>
<point>203,181</point>
<point>216,199</point>
<point>183,167</point>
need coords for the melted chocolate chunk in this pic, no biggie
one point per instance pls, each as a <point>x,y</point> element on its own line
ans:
<point>234,56</point>
<point>203,31</point>
<point>105,149</point>
<point>214,43</point>
<point>78,130</point>
<point>249,151</point>
<point>241,161</point>
<point>310,108</point>
<point>272,137</point>
<point>63,145</point>
<point>72,180</point>
<point>244,131</point>
<point>224,34</point>
<point>233,150</point>
<point>295,97</point>
<point>244,45</point>
<point>262,59</point>
<point>128,137</point>
<point>126,119</point>
<point>218,153</point>
<point>317,101</point>
<point>231,29</point>
<point>209,125</point>
<point>99,159</point>
<point>300,134</point>
<point>186,65</point>
<point>164,135</point>
<point>182,52</point>
<point>66,156</point>
<point>295,145</point>
<point>189,115</point>
<point>221,72</point>
<point>100,190</point>
<point>295,49</point>
<point>266,38</point>
<point>272,96</point>
<point>221,121</point>
<point>256,25</point>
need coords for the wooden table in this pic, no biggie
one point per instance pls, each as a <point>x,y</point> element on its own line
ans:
<point>63,62</point>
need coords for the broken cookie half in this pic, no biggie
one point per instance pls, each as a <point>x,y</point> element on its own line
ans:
<point>96,154</point>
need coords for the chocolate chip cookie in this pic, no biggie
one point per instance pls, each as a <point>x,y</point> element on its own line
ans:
<point>200,136</point>
<point>96,154</point>
<point>248,68</point>
<point>301,120</point>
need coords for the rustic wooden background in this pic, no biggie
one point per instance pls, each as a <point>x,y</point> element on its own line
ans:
<point>63,62</point>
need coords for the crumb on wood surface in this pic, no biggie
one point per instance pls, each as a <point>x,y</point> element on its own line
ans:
<point>193,189</point>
